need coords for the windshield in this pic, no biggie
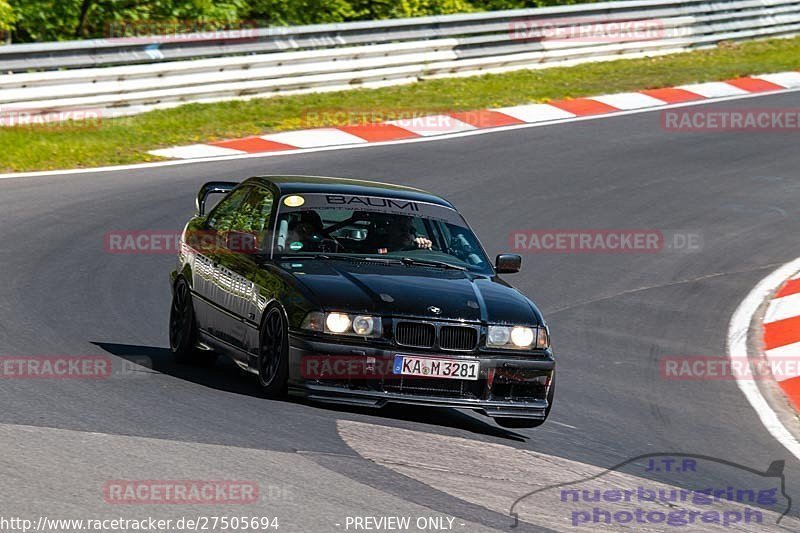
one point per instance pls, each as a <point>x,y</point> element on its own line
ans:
<point>379,228</point>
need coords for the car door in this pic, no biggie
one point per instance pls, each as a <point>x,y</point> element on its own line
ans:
<point>206,242</point>
<point>239,272</point>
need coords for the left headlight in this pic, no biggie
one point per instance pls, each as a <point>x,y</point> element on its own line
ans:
<point>343,324</point>
<point>517,337</point>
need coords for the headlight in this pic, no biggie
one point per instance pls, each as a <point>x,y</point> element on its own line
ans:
<point>363,325</point>
<point>517,337</point>
<point>343,324</point>
<point>498,335</point>
<point>522,337</point>
<point>337,322</point>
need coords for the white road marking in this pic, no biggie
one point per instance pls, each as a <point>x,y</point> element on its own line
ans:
<point>561,424</point>
<point>179,162</point>
<point>737,348</point>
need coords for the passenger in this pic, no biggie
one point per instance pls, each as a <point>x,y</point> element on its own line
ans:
<point>306,233</point>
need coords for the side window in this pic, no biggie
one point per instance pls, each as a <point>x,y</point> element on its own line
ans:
<point>223,216</point>
<point>253,215</point>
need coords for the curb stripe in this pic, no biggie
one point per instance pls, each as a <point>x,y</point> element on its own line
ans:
<point>536,113</point>
<point>673,96</point>
<point>629,100</point>
<point>378,132</point>
<point>194,151</point>
<point>429,125</point>
<point>787,351</point>
<point>782,333</point>
<point>781,338</point>
<point>584,106</point>
<point>781,308</point>
<point>754,85</point>
<point>314,138</point>
<point>792,287</point>
<point>252,145</point>
<point>713,89</point>
<point>737,347</point>
<point>486,119</point>
<point>503,117</point>
<point>791,387</point>
<point>789,80</point>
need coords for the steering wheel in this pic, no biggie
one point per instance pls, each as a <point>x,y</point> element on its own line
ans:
<point>330,245</point>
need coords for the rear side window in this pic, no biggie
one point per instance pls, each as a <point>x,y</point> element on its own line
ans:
<point>253,214</point>
<point>224,215</point>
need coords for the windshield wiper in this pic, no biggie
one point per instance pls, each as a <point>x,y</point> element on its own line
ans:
<point>429,262</point>
<point>342,257</point>
<point>411,261</point>
<point>304,256</point>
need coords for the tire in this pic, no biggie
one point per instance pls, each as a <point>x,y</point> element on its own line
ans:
<point>522,423</point>
<point>273,361</point>
<point>183,328</point>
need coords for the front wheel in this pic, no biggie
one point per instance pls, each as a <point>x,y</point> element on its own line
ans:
<point>273,364</point>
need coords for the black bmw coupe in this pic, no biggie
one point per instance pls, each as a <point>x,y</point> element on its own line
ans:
<point>360,293</point>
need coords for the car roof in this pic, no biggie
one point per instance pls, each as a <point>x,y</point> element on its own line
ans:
<point>321,184</point>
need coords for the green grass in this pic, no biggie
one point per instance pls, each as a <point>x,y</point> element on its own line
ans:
<point>126,140</point>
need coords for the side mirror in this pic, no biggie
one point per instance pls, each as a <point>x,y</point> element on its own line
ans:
<point>241,242</point>
<point>212,187</point>
<point>508,263</point>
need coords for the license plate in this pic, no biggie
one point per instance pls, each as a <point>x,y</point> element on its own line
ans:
<point>436,368</point>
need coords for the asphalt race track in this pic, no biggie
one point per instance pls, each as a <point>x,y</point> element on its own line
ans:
<point>612,316</point>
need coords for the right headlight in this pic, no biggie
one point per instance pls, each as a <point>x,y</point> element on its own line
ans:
<point>518,337</point>
<point>343,324</point>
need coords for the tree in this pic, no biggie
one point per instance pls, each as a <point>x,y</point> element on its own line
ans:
<point>7,19</point>
<point>52,20</point>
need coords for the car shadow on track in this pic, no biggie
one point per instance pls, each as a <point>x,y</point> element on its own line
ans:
<point>225,376</point>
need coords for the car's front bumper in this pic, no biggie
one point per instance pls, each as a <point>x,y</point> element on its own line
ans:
<point>508,385</point>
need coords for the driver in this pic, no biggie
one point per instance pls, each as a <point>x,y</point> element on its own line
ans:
<point>392,233</point>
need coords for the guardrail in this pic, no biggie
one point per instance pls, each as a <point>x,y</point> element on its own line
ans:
<point>128,76</point>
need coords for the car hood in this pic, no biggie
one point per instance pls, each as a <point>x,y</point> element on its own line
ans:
<point>417,291</point>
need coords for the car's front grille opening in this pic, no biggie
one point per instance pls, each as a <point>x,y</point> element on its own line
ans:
<point>416,334</point>
<point>441,388</point>
<point>519,391</point>
<point>458,338</point>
